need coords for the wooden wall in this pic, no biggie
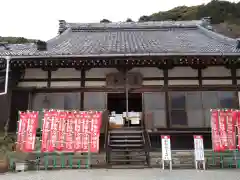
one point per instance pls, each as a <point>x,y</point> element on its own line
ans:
<point>154,103</point>
<point>70,77</point>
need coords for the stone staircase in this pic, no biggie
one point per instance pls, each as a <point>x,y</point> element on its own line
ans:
<point>127,147</point>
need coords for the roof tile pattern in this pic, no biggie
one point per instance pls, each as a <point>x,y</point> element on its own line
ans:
<point>133,38</point>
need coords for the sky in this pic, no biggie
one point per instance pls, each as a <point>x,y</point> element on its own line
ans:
<point>38,19</point>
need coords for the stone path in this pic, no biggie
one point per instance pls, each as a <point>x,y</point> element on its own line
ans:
<point>128,174</point>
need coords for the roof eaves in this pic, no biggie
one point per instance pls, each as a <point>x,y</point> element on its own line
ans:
<point>219,37</point>
<point>65,33</point>
<point>120,55</point>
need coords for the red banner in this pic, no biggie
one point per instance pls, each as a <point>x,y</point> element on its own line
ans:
<point>71,131</point>
<point>69,146</point>
<point>95,118</point>
<point>62,115</point>
<point>231,130</point>
<point>86,136</point>
<point>223,130</point>
<point>22,124</point>
<point>238,128</point>
<point>45,131</point>
<point>215,131</point>
<point>27,127</point>
<point>77,131</point>
<point>54,123</point>
<point>32,123</point>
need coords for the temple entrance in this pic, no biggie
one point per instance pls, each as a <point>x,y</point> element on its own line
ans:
<point>19,102</point>
<point>117,102</point>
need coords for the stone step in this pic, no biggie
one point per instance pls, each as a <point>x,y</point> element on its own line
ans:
<point>126,141</point>
<point>125,145</point>
<point>128,160</point>
<point>126,155</point>
<point>128,150</point>
<point>129,166</point>
<point>126,137</point>
<point>129,128</point>
<point>129,132</point>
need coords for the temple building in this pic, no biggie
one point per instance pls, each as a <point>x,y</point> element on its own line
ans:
<point>174,72</point>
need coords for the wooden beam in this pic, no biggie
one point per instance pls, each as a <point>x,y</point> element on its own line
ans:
<point>147,88</point>
<point>83,76</point>
<point>144,78</point>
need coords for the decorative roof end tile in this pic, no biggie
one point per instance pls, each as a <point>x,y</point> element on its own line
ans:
<point>238,44</point>
<point>5,45</point>
<point>41,45</point>
<point>62,26</point>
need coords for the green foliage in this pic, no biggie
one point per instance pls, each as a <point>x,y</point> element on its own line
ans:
<point>16,40</point>
<point>219,11</point>
<point>129,20</point>
<point>105,21</point>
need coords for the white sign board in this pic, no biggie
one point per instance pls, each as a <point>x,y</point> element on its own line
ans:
<point>198,148</point>
<point>166,148</point>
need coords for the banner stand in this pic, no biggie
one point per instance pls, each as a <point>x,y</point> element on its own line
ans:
<point>199,152</point>
<point>166,151</point>
<point>170,164</point>
<point>198,165</point>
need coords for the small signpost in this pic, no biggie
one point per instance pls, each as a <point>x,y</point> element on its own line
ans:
<point>199,152</point>
<point>166,151</point>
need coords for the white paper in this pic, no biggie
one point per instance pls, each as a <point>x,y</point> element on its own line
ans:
<point>166,148</point>
<point>113,113</point>
<point>119,119</point>
<point>198,148</point>
<point>134,114</point>
<point>112,119</point>
<point>135,121</point>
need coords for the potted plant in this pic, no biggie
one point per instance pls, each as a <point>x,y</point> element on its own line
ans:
<point>4,160</point>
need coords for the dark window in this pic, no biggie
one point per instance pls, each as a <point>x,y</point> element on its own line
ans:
<point>210,100</point>
<point>71,101</point>
<point>227,99</point>
<point>154,106</point>
<point>194,100</point>
<point>178,117</point>
<point>178,113</point>
<point>178,100</point>
<point>217,99</point>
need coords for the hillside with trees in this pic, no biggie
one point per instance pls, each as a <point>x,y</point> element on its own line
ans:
<point>225,16</point>
<point>16,40</point>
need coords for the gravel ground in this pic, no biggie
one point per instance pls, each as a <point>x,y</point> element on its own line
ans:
<point>128,174</point>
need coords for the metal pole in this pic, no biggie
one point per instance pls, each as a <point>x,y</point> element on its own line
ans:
<point>8,58</point>
<point>126,93</point>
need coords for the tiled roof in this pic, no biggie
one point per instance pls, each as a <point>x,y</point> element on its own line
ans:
<point>167,37</point>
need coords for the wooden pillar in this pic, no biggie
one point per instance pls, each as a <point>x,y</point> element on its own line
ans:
<point>30,99</point>
<point>167,109</point>
<point>234,82</point>
<point>49,76</point>
<point>200,77</point>
<point>83,77</point>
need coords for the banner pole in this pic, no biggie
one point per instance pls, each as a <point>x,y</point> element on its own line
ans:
<point>70,158</point>
<point>89,152</point>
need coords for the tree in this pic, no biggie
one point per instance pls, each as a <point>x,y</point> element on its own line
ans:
<point>16,40</point>
<point>105,21</point>
<point>144,18</point>
<point>219,11</point>
<point>129,20</point>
